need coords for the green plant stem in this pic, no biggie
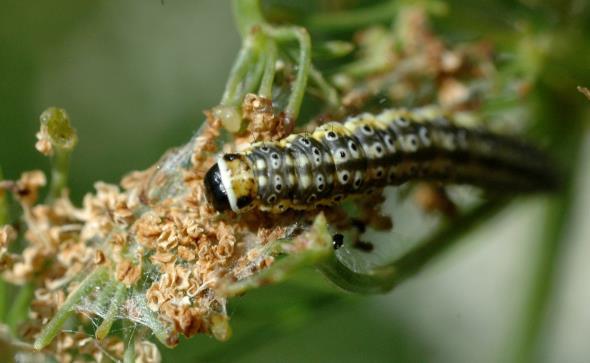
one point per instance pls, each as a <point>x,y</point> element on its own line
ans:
<point>385,278</point>
<point>117,300</point>
<point>252,80</point>
<point>149,319</point>
<point>20,306</point>
<point>353,19</point>
<point>247,15</point>
<point>237,74</point>
<point>548,255</point>
<point>96,278</point>
<point>448,236</point>
<point>3,220</point>
<point>63,138</point>
<point>60,170</point>
<point>545,265</point>
<point>266,83</point>
<point>319,249</point>
<point>327,91</point>
<point>129,354</point>
<point>4,216</point>
<point>304,63</point>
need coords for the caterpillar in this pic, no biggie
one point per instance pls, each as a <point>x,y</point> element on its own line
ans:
<point>309,170</point>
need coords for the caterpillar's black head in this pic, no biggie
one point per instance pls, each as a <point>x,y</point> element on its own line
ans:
<point>215,191</point>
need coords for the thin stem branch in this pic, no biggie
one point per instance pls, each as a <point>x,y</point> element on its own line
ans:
<point>129,354</point>
<point>20,306</point>
<point>237,74</point>
<point>96,278</point>
<point>247,15</point>
<point>118,298</point>
<point>268,76</point>
<point>4,216</point>
<point>55,123</point>
<point>252,81</point>
<point>149,319</point>
<point>353,19</point>
<point>327,91</point>
<point>385,278</point>
<point>304,63</point>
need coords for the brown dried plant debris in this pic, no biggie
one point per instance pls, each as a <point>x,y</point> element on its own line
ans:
<point>416,67</point>
<point>263,123</point>
<point>174,243</point>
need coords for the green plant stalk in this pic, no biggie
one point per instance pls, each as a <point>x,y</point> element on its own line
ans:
<point>304,63</point>
<point>329,93</point>
<point>105,295</point>
<point>3,220</point>
<point>353,19</point>
<point>4,215</point>
<point>385,278</point>
<point>247,15</point>
<point>60,170</point>
<point>237,74</point>
<point>265,89</point>
<point>63,138</point>
<point>319,249</point>
<point>97,278</point>
<point>129,354</point>
<point>545,263</point>
<point>105,327</point>
<point>448,236</point>
<point>252,80</point>
<point>545,266</point>
<point>149,319</point>
<point>3,294</point>
<point>20,306</point>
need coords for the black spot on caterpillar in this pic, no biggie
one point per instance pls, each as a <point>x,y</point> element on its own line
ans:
<point>368,152</point>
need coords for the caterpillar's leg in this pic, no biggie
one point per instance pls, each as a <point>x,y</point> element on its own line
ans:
<point>433,197</point>
<point>370,212</point>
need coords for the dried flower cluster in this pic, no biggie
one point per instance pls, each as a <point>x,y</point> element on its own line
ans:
<point>171,261</point>
<point>158,237</point>
<point>412,66</point>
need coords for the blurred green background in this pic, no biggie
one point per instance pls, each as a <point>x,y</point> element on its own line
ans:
<point>136,75</point>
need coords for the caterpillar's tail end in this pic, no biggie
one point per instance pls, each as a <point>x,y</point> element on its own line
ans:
<point>215,191</point>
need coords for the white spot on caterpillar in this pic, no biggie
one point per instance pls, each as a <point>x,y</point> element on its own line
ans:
<point>409,143</point>
<point>424,136</point>
<point>278,183</point>
<point>319,180</point>
<point>367,130</point>
<point>343,176</point>
<point>305,181</point>
<point>341,156</point>
<point>378,150</point>
<point>291,179</point>
<point>358,179</point>
<point>353,149</point>
<point>389,143</point>
<point>302,161</point>
<point>402,122</point>
<point>260,164</point>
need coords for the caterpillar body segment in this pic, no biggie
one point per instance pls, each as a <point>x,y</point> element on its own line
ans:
<point>309,170</point>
